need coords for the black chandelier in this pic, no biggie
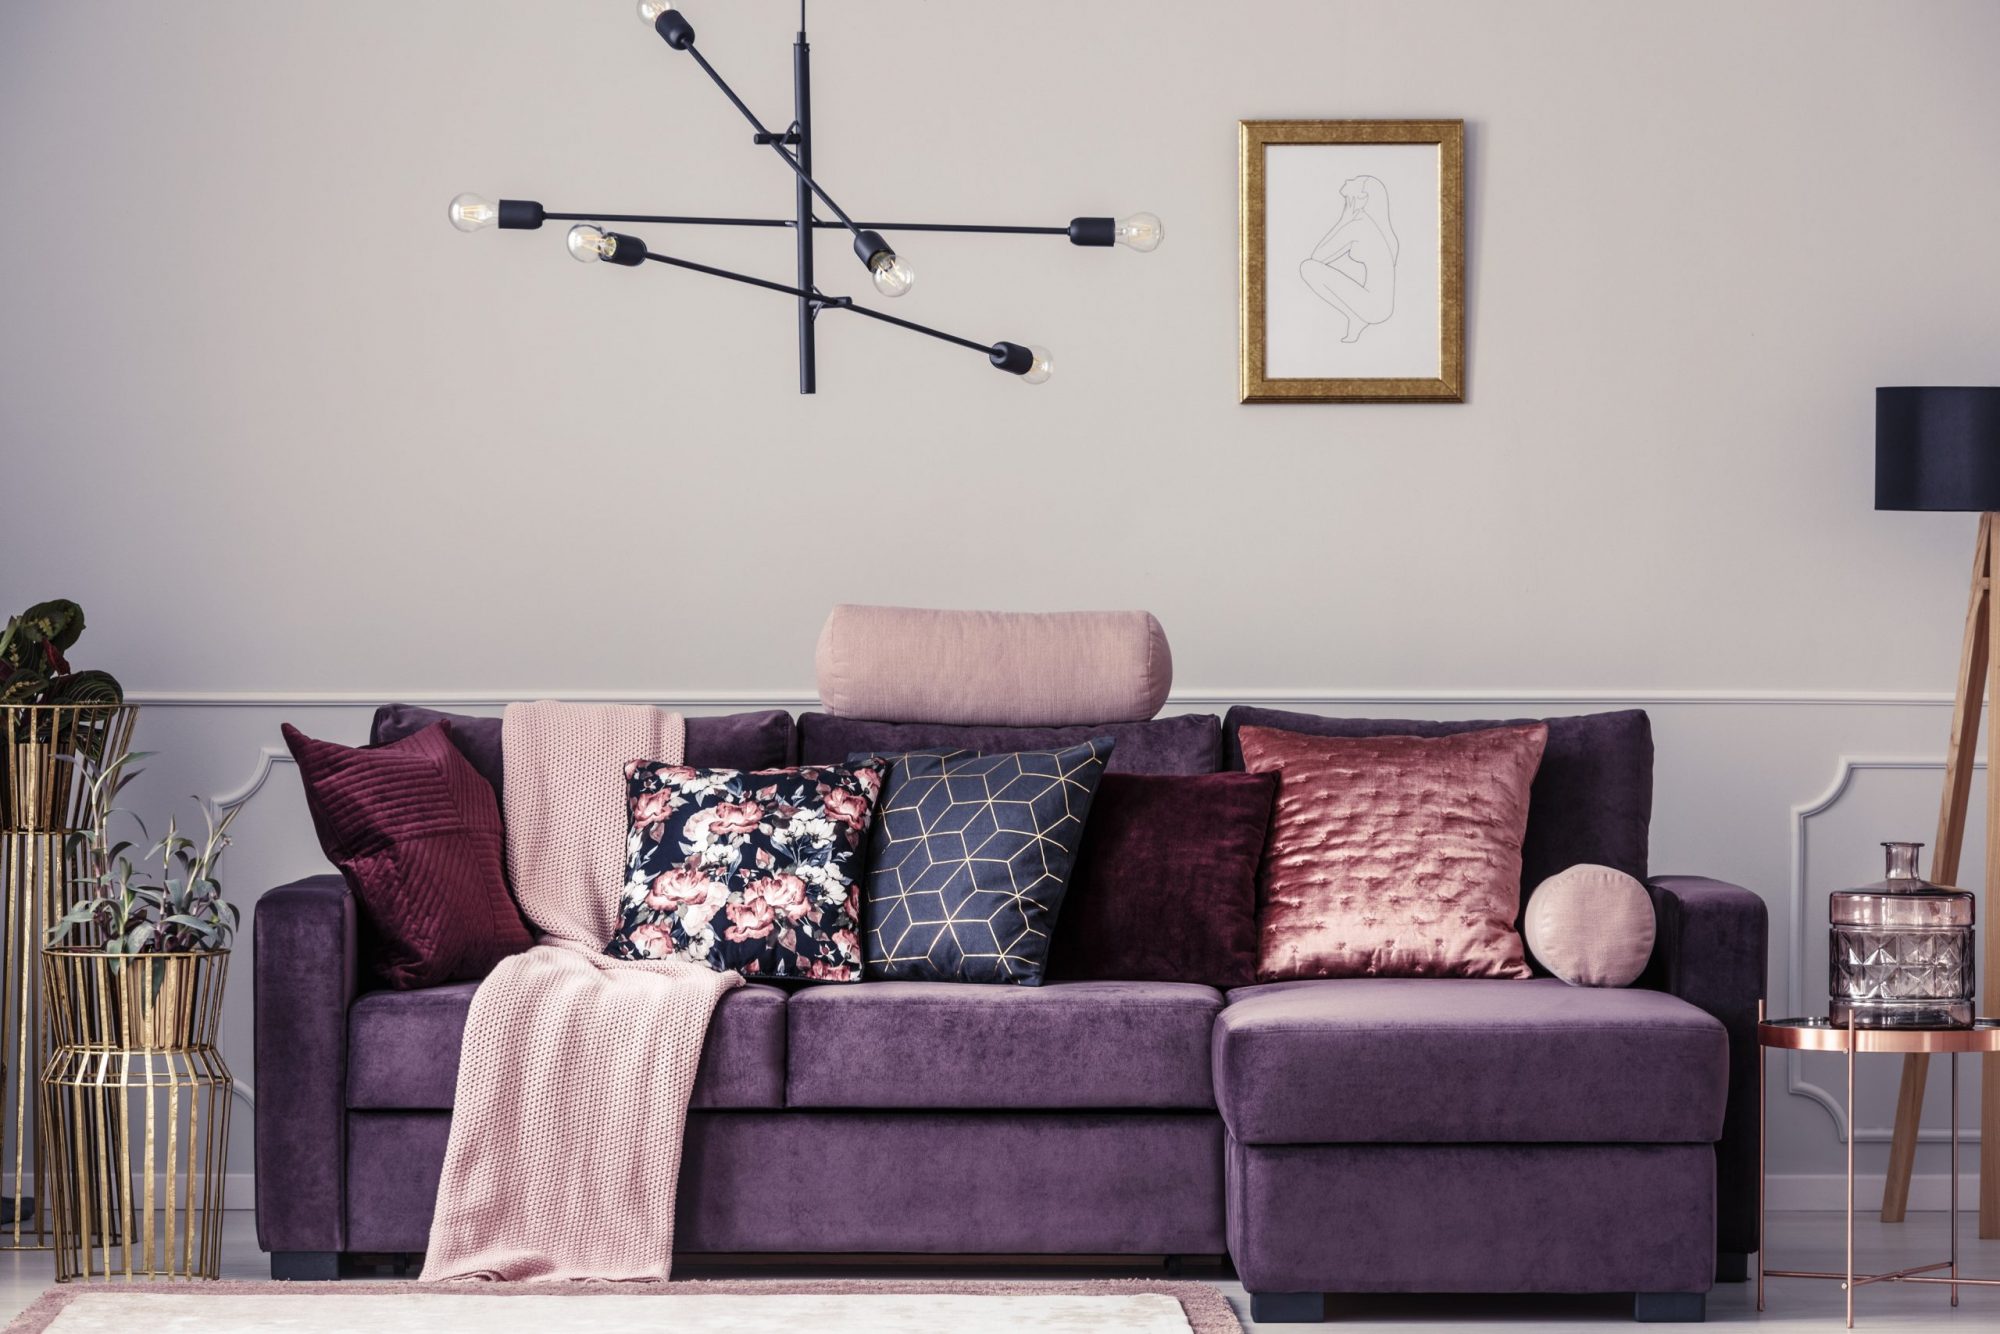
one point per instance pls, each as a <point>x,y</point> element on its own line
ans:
<point>590,242</point>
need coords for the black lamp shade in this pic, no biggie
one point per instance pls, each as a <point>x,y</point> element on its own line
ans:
<point>1937,448</point>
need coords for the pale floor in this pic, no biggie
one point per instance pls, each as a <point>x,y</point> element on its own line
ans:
<point>1798,1241</point>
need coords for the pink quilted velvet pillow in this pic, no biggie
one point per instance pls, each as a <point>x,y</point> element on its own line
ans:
<point>1015,669</point>
<point>1394,856</point>
<point>416,831</point>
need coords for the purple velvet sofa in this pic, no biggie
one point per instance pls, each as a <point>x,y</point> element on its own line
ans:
<point>1368,1135</point>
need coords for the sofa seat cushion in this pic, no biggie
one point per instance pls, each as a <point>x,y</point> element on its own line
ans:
<point>402,1049</point>
<point>1467,1060</point>
<point>940,1045</point>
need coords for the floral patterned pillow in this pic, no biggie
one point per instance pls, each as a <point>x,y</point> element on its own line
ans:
<point>755,870</point>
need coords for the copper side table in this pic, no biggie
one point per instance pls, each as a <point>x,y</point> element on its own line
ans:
<point>1819,1035</point>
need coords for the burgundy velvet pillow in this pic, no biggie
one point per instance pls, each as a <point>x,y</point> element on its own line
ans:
<point>1165,885</point>
<point>416,831</point>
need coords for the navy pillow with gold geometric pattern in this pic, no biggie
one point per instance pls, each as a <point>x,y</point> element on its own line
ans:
<point>969,858</point>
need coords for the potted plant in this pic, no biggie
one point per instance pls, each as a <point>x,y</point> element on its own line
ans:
<point>138,959</point>
<point>49,712</point>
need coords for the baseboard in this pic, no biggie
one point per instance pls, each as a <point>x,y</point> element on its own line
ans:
<point>1829,1191</point>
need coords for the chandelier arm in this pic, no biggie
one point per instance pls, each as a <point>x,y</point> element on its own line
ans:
<point>847,304</point>
<point>736,277</point>
<point>819,302</point>
<point>693,221</point>
<point>954,227</point>
<point>670,218</point>
<point>776,147</point>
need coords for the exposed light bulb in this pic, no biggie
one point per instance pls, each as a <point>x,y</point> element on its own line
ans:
<point>650,10</point>
<point>588,245</point>
<point>469,213</point>
<point>1043,367</point>
<point>1141,231</point>
<point>892,275</point>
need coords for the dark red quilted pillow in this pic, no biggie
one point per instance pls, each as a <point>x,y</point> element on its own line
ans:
<point>416,831</point>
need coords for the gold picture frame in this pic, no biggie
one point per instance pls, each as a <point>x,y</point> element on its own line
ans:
<point>1338,288</point>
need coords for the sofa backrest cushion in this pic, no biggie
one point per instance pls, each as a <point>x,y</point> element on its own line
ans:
<point>761,740</point>
<point>1592,799</point>
<point>1187,744</point>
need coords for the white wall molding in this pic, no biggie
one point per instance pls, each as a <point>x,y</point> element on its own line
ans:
<point>1796,1084</point>
<point>1189,698</point>
<point>260,774</point>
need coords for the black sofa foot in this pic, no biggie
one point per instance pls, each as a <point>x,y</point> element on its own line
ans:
<point>1732,1267</point>
<point>1685,1308</point>
<point>305,1266</point>
<point>1278,1308</point>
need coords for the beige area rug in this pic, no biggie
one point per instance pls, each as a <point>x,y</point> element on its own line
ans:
<point>1109,1306</point>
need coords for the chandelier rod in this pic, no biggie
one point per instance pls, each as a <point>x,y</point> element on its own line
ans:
<point>684,220</point>
<point>776,146</point>
<point>818,301</point>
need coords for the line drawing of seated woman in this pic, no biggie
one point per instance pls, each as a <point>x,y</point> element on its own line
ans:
<point>1353,268</point>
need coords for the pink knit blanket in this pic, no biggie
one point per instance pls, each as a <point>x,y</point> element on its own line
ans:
<point>575,1069</point>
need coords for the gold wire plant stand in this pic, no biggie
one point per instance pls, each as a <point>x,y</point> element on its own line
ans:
<point>135,1103</point>
<point>44,749</point>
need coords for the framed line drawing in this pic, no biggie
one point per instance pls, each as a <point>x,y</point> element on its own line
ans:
<point>1351,261</point>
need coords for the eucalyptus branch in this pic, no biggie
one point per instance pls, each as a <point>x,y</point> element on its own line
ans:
<point>118,909</point>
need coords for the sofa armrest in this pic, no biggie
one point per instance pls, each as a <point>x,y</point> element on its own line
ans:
<point>1711,948</point>
<point>303,942</point>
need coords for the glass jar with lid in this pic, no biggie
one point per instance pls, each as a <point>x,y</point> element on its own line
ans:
<point>1900,951</point>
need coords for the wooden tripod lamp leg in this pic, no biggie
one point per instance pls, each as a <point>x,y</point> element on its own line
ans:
<point>1977,662</point>
<point>1989,992</point>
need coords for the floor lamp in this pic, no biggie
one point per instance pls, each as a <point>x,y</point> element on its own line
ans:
<point>1939,449</point>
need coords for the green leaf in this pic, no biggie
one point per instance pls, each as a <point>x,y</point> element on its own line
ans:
<point>75,917</point>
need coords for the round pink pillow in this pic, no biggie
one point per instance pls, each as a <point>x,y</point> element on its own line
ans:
<point>1591,926</point>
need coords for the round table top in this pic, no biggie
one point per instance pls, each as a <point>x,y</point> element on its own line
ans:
<point>1819,1035</point>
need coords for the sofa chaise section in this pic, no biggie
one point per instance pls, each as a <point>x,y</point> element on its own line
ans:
<point>1426,1135</point>
<point>1429,1135</point>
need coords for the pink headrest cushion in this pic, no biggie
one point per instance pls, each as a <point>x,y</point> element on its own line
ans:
<point>1018,669</point>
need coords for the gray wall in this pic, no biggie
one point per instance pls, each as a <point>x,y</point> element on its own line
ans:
<point>298,445</point>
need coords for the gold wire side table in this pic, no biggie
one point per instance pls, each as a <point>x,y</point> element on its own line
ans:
<point>135,1108</point>
<point>1820,1035</point>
